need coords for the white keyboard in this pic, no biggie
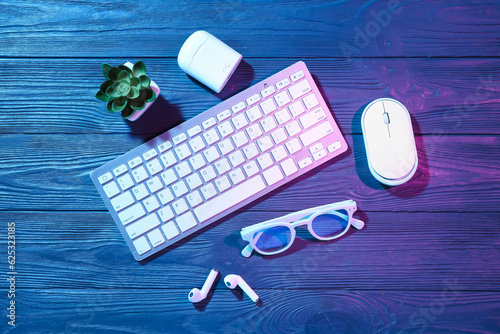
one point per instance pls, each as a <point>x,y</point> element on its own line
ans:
<point>219,161</point>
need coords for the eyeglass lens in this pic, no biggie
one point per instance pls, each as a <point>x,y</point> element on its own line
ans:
<point>331,223</point>
<point>272,239</point>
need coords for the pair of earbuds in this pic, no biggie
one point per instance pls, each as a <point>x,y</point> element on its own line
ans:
<point>232,281</point>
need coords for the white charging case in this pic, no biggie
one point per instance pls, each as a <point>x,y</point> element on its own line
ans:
<point>208,60</point>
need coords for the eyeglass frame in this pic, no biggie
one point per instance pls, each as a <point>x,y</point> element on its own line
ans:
<point>300,218</point>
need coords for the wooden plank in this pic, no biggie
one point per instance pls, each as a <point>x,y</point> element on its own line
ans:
<point>51,172</point>
<point>254,28</point>
<point>395,251</point>
<point>282,311</point>
<point>444,96</point>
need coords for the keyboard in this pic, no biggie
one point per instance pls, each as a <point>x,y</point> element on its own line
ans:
<point>218,161</point>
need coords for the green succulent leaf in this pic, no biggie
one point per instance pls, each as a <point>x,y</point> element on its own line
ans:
<point>126,68</point>
<point>111,92</point>
<point>105,70</point>
<point>102,97</point>
<point>136,82</point>
<point>139,69</point>
<point>151,96</point>
<point>119,104</point>
<point>146,81</point>
<point>109,107</point>
<point>113,73</point>
<point>122,88</point>
<point>106,84</point>
<point>127,112</point>
<point>123,75</point>
<point>138,103</point>
<point>134,93</point>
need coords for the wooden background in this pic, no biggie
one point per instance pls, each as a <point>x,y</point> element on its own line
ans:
<point>427,261</point>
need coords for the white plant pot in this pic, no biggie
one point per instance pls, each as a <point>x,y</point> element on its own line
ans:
<point>138,113</point>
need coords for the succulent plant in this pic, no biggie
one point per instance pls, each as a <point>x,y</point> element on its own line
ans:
<point>125,90</point>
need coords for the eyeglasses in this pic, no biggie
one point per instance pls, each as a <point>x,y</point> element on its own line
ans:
<point>326,222</point>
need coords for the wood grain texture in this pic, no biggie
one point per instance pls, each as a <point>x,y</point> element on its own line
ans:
<point>444,96</point>
<point>306,28</point>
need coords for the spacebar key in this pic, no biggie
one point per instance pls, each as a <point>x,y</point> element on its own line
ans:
<point>230,198</point>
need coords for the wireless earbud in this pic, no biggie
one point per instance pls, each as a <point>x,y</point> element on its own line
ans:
<point>196,295</point>
<point>233,280</point>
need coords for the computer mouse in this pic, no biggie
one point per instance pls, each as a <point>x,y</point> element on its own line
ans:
<point>389,141</point>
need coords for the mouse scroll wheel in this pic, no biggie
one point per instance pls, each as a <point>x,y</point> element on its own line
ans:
<point>386,118</point>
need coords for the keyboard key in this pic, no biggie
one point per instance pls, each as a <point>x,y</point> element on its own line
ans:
<point>151,203</point>
<point>239,121</point>
<point>333,147</point>
<point>316,133</point>
<point>168,177</point>
<point>253,114</point>
<point>236,158</point>
<point>250,151</point>
<point>179,138</point>
<point>282,99</point>
<point>251,168</point>
<point>282,84</point>
<point>253,99</point>
<point>170,230</point>
<point>120,170</point>
<point>297,76</point>
<point>289,167</point>
<point>208,173</point>
<point>105,178</point>
<point>180,206</point>
<point>211,137</point>
<point>140,192</point>
<point>225,146</point>
<point>225,129</point>
<point>154,167</point>
<point>186,221</point>
<point>282,116</point>
<point>312,118</point>
<point>142,226</point>
<point>223,115</point>
<point>268,106</point>
<point>166,214</point>
<point>236,176</point>
<point>230,198</point>
<point>194,181</point>
<point>194,198</point>
<point>292,128</point>
<point>279,153</point>
<point>268,124</point>
<point>165,146</point>
<point>293,146</point>
<point>141,245</point>
<point>125,182</point>
<point>222,183</point>
<point>310,101</point>
<point>254,131</point>
<point>211,154</point>
<point>197,161</point>
<point>209,123</point>
<point>156,238</point>
<point>316,148</point>
<point>299,89</point>
<point>183,169</point>
<point>194,131</point>
<point>131,214</point>
<point>265,143</point>
<point>139,174</point>
<point>197,144</point>
<point>240,139</point>
<point>154,184</point>
<point>319,155</point>
<point>238,107</point>
<point>165,196</point>
<point>122,201</point>
<point>268,91</point>
<point>222,166</point>
<point>150,154</point>
<point>279,136</point>
<point>273,175</point>
<point>168,159</point>
<point>179,188</point>
<point>111,189</point>
<point>208,191</point>
<point>182,152</point>
<point>265,161</point>
<point>135,162</point>
<point>305,162</point>
<point>296,108</point>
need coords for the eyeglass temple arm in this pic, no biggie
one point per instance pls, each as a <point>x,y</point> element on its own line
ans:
<point>247,251</point>
<point>357,224</point>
